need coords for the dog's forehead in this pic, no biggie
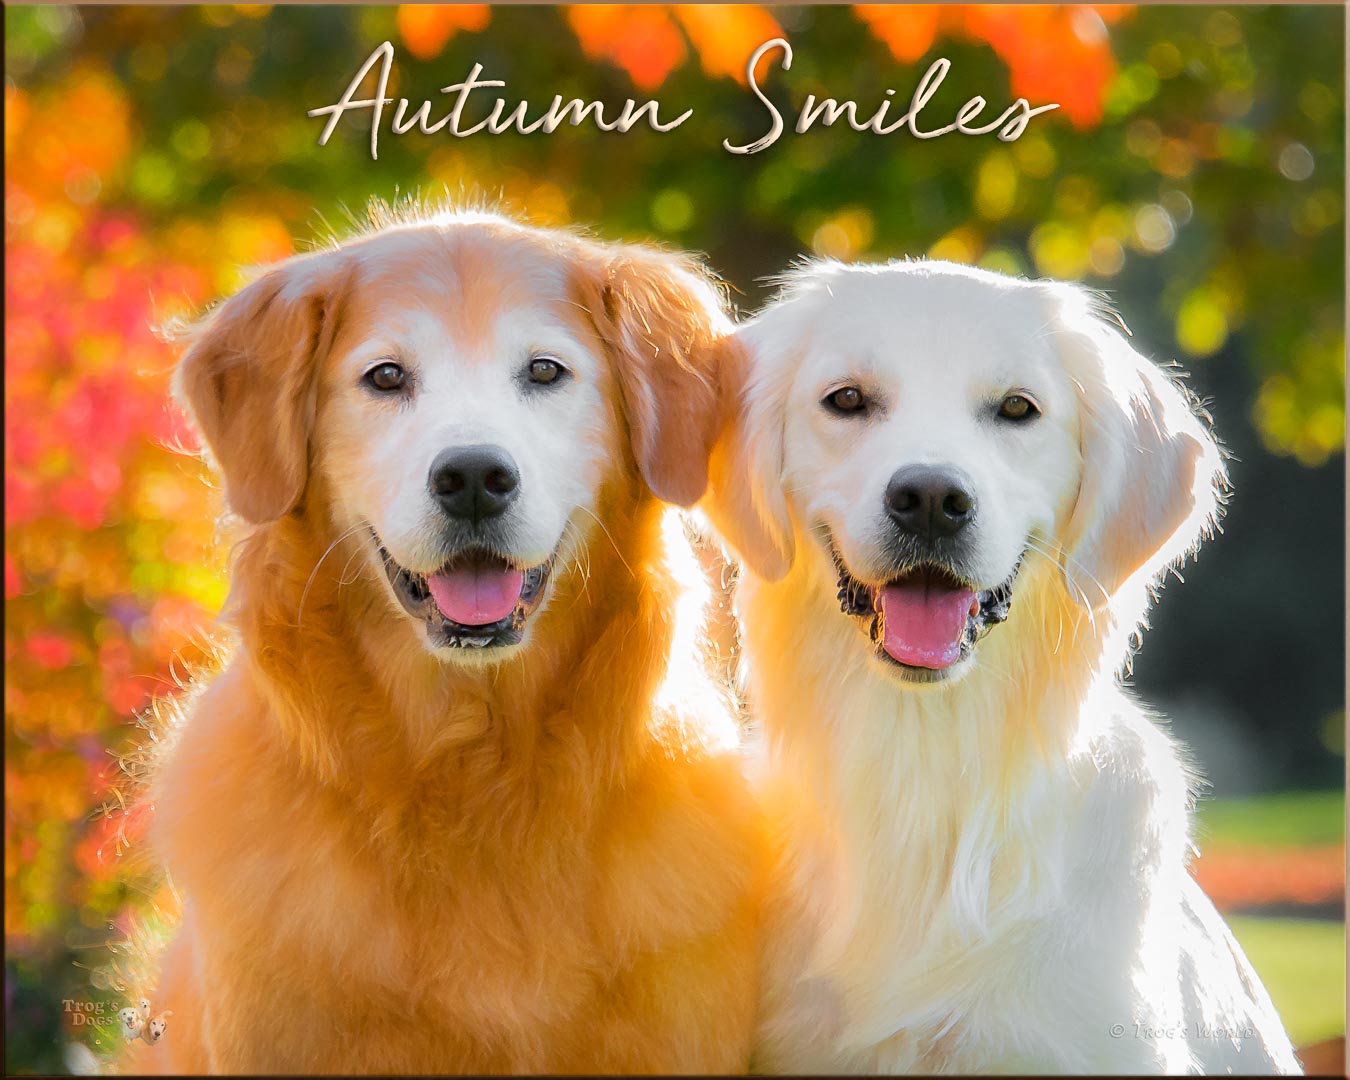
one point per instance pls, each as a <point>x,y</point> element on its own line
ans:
<point>460,282</point>
<point>921,318</point>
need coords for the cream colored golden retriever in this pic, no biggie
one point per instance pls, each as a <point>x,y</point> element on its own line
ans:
<point>449,807</point>
<point>954,492</point>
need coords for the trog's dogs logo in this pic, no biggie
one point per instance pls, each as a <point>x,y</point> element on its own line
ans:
<point>137,1023</point>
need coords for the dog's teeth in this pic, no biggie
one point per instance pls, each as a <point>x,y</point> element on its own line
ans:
<point>470,642</point>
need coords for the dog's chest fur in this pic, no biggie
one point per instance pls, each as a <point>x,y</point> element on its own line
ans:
<point>965,877</point>
<point>512,945</point>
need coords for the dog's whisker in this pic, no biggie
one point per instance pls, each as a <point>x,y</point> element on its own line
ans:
<point>304,595</point>
<point>581,560</point>
<point>605,529</point>
<point>1054,557</point>
<point>1054,551</point>
<point>363,567</point>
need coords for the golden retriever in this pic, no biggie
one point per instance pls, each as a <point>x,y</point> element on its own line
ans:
<point>954,493</point>
<point>449,807</point>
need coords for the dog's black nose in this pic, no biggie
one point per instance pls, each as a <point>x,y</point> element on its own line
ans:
<point>929,502</point>
<point>474,483</point>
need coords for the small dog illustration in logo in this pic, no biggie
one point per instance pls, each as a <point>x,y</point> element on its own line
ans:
<point>131,1022</point>
<point>139,1024</point>
<point>154,1029</point>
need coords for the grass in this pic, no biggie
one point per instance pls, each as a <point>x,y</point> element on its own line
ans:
<point>1302,963</point>
<point>1288,819</point>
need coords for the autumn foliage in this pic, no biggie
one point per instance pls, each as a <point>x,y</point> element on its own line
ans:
<point>153,154</point>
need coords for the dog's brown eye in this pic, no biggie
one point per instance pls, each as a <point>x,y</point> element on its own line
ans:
<point>386,378</point>
<point>847,399</point>
<point>545,371</point>
<point>1017,407</point>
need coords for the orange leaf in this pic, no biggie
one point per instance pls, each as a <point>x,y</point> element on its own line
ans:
<point>640,39</point>
<point>16,114</point>
<point>725,36</point>
<point>1054,53</point>
<point>425,28</point>
<point>908,30</point>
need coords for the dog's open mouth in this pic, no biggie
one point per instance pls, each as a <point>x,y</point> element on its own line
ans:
<point>477,600</point>
<point>926,619</point>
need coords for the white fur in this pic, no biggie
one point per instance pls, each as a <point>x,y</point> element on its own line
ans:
<point>987,874</point>
<point>472,393</point>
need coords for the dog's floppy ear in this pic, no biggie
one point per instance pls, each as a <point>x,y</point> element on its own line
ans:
<point>248,378</point>
<point>662,319</point>
<point>1152,473</point>
<point>746,502</point>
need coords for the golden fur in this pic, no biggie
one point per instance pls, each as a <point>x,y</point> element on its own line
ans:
<point>393,863</point>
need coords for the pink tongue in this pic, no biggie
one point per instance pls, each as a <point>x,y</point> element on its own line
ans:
<point>476,595</point>
<point>924,623</point>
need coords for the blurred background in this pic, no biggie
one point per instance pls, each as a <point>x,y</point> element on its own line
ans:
<point>1195,170</point>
